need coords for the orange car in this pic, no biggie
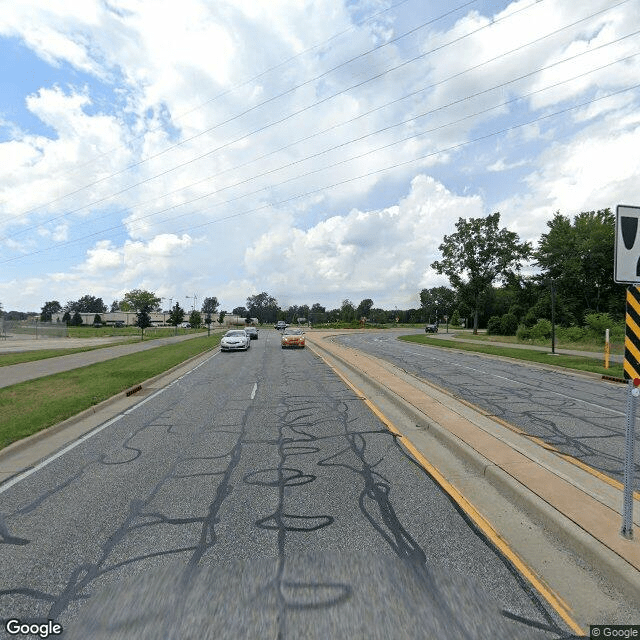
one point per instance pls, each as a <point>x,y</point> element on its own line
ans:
<point>292,338</point>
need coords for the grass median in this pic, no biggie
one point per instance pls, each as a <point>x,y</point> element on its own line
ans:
<point>29,407</point>
<point>580,363</point>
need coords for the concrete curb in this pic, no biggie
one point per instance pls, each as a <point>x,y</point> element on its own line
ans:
<point>607,562</point>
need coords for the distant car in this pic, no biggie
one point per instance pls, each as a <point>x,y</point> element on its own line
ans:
<point>431,328</point>
<point>235,340</point>
<point>186,325</point>
<point>119,324</point>
<point>280,325</point>
<point>292,338</point>
<point>252,332</point>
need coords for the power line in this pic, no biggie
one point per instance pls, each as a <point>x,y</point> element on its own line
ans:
<point>353,179</point>
<point>255,107</point>
<point>308,107</point>
<point>232,89</point>
<point>371,151</point>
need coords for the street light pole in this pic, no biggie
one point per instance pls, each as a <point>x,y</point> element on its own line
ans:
<point>194,297</point>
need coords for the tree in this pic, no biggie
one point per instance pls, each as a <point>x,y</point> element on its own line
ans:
<point>115,306</point>
<point>49,309</point>
<point>579,257</point>
<point>477,255</point>
<point>66,318</point>
<point>317,313</point>
<point>221,317</point>
<point>138,299</point>
<point>176,316</point>
<point>76,321</point>
<point>347,311</point>
<point>240,311</point>
<point>379,316</point>
<point>143,319</point>
<point>208,320</point>
<point>86,304</point>
<point>364,308</point>
<point>303,312</point>
<point>210,306</point>
<point>195,319</point>
<point>263,306</point>
<point>97,319</point>
<point>91,304</point>
<point>437,302</point>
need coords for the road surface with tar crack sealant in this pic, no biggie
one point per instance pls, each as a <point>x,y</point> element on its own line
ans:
<point>256,496</point>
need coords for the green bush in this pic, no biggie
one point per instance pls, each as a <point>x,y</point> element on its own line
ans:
<point>541,329</point>
<point>596,323</point>
<point>494,326</point>
<point>508,324</point>
<point>572,334</point>
<point>530,318</point>
<point>523,333</point>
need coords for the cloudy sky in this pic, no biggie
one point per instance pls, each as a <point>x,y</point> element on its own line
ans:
<point>314,149</point>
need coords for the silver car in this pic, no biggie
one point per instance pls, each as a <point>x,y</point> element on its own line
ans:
<point>235,340</point>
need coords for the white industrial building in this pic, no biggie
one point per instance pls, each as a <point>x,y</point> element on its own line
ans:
<point>158,318</point>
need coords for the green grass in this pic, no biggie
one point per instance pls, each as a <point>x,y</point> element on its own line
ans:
<point>579,363</point>
<point>616,346</point>
<point>29,407</point>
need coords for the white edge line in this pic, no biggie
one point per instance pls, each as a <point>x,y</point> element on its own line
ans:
<point>25,474</point>
<point>253,391</point>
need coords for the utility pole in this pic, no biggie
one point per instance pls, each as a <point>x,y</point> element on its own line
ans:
<point>553,315</point>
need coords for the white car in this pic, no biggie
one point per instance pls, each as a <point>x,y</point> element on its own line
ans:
<point>234,340</point>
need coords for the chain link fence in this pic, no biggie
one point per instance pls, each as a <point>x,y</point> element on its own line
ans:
<point>31,329</point>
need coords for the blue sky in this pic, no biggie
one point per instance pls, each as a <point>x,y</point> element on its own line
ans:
<point>314,150</point>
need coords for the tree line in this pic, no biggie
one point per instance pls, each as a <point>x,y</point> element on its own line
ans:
<point>572,267</point>
<point>572,262</point>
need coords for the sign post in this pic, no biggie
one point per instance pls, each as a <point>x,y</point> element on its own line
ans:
<point>627,271</point>
<point>627,504</point>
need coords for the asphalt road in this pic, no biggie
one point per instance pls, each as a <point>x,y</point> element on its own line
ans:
<point>255,497</point>
<point>579,415</point>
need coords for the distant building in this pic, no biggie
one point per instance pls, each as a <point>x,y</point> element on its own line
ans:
<point>158,318</point>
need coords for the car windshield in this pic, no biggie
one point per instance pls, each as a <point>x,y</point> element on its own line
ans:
<point>233,334</point>
<point>292,332</point>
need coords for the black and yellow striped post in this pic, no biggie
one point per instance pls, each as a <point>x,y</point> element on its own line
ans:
<point>631,373</point>
<point>632,335</point>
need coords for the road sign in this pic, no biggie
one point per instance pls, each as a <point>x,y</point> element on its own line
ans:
<point>627,245</point>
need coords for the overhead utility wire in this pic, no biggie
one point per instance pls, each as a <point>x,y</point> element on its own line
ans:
<point>389,127</point>
<point>364,154</point>
<point>333,148</point>
<point>280,121</point>
<point>255,107</point>
<point>285,118</point>
<point>348,180</point>
<point>356,157</point>
<point>238,86</point>
<point>413,160</point>
<point>374,172</point>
